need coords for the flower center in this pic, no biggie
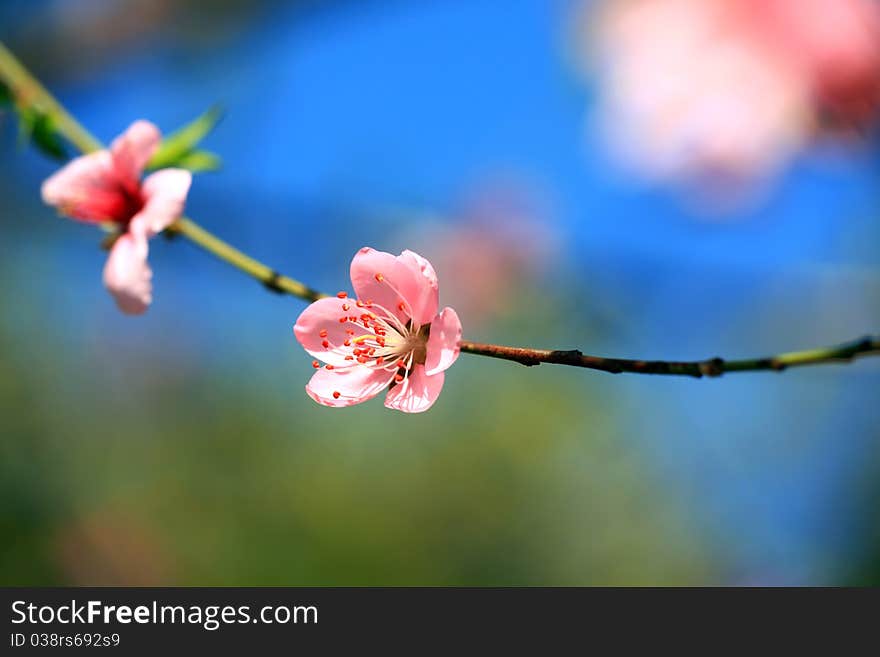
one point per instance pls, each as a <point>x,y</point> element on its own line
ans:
<point>129,203</point>
<point>417,343</point>
<point>111,202</point>
<point>376,338</point>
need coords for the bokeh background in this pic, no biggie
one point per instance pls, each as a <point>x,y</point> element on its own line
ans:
<point>180,447</point>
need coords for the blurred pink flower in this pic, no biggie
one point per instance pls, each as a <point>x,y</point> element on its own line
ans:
<point>105,187</point>
<point>496,244</point>
<point>835,44</point>
<point>734,87</point>
<point>389,336</point>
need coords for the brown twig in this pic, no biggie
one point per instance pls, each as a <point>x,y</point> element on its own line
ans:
<point>711,367</point>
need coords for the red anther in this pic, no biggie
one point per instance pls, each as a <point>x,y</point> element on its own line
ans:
<point>349,357</point>
<point>347,343</point>
<point>379,278</point>
<point>362,359</point>
<point>345,307</point>
<point>401,306</point>
<point>325,344</point>
<point>349,331</point>
<point>316,364</point>
<point>328,366</point>
<point>371,351</point>
<point>352,318</point>
<point>398,377</point>
<point>343,320</point>
<point>359,303</point>
<point>336,394</point>
<point>368,303</point>
<point>380,360</point>
<point>380,341</point>
<point>342,295</point>
<point>401,363</point>
<point>323,333</point>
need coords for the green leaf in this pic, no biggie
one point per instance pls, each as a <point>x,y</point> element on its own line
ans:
<point>5,96</point>
<point>198,161</point>
<point>181,144</point>
<point>39,128</point>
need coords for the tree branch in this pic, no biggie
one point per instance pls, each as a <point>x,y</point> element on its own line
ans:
<point>270,278</point>
<point>28,92</point>
<point>711,367</point>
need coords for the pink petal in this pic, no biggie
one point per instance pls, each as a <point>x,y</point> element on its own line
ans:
<point>127,274</point>
<point>443,342</point>
<point>87,189</point>
<point>417,393</point>
<point>425,307</point>
<point>132,150</point>
<point>324,315</point>
<point>355,384</point>
<point>165,195</point>
<point>393,283</point>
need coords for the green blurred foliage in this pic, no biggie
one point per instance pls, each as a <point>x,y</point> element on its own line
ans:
<point>35,126</point>
<point>5,96</point>
<point>200,161</point>
<point>179,148</point>
<point>150,465</point>
<point>39,129</point>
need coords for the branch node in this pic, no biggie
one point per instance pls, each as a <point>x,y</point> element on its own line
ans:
<point>272,282</point>
<point>867,345</point>
<point>713,367</point>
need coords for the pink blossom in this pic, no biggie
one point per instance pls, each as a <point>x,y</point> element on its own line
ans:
<point>105,188</point>
<point>734,87</point>
<point>833,45</point>
<point>388,337</point>
<point>498,241</point>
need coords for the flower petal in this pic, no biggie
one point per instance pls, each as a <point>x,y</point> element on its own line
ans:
<point>165,194</point>
<point>132,150</point>
<point>417,393</point>
<point>391,283</point>
<point>127,274</point>
<point>354,385</point>
<point>425,306</point>
<point>443,342</point>
<point>86,189</point>
<point>324,315</point>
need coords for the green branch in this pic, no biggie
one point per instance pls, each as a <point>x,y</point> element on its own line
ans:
<point>243,262</point>
<point>28,92</point>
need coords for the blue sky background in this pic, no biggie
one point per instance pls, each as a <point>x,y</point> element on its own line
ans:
<point>347,123</point>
